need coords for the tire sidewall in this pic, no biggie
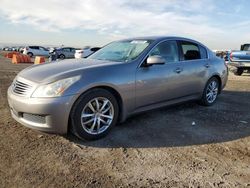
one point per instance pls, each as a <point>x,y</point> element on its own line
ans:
<point>239,72</point>
<point>76,111</point>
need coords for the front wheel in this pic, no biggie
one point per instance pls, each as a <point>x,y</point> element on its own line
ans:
<point>62,57</point>
<point>30,54</point>
<point>210,92</point>
<point>94,114</point>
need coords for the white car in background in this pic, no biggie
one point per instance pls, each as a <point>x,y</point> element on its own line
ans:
<point>85,52</point>
<point>36,51</point>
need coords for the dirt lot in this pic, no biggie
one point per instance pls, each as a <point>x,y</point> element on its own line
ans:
<point>162,148</point>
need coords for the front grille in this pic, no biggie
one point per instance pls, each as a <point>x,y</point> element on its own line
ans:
<point>34,118</point>
<point>21,88</point>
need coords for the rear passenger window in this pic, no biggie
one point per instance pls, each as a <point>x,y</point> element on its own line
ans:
<point>168,50</point>
<point>66,49</point>
<point>190,51</point>
<point>203,52</point>
<point>41,48</point>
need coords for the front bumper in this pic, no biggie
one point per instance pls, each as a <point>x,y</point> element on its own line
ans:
<point>44,114</point>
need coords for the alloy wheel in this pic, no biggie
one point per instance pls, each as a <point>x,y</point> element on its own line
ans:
<point>97,115</point>
<point>212,91</point>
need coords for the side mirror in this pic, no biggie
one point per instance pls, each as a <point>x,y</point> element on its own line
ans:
<point>155,60</point>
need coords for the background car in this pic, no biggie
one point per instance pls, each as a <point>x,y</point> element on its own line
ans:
<point>240,60</point>
<point>36,51</point>
<point>85,52</point>
<point>65,52</point>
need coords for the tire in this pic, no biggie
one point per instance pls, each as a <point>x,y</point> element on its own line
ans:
<point>209,99</point>
<point>239,72</point>
<point>83,127</point>
<point>61,56</point>
<point>30,54</point>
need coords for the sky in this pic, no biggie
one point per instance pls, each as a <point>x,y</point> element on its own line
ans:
<point>223,24</point>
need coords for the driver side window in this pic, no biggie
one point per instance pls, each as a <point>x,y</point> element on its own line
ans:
<point>167,50</point>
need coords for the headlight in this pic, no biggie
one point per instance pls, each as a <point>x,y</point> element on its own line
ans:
<point>55,89</point>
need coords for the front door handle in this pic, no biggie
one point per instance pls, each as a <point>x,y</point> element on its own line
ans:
<point>178,70</point>
<point>207,65</point>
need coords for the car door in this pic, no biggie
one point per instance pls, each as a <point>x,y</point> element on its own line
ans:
<point>158,83</point>
<point>195,64</point>
<point>72,52</point>
<point>43,51</point>
<point>66,52</point>
<point>35,50</point>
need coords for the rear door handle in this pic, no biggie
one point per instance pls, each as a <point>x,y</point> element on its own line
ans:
<point>178,70</point>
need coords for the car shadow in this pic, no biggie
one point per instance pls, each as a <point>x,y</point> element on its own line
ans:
<point>182,125</point>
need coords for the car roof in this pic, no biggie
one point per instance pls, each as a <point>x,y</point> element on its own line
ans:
<point>160,38</point>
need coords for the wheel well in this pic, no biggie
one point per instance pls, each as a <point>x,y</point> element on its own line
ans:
<point>111,90</point>
<point>117,96</point>
<point>219,79</point>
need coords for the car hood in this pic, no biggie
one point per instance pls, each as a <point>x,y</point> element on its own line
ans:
<point>49,72</point>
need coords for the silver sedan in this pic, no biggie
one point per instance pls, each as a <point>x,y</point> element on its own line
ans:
<point>89,96</point>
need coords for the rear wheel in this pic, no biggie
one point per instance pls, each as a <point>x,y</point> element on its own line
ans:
<point>210,92</point>
<point>94,114</point>
<point>239,72</point>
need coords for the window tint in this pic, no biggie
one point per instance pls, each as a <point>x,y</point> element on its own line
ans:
<point>34,47</point>
<point>168,50</point>
<point>41,48</point>
<point>95,49</point>
<point>246,47</point>
<point>203,52</point>
<point>190,51</point>
<point>66,49</point>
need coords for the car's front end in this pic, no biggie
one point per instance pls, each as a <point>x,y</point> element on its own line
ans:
<point>47,114</point>
<point>41,96</point>
<point>41,106</point>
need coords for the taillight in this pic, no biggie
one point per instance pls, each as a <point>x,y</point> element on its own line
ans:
<point>26,48</point>
<point>231,55</point>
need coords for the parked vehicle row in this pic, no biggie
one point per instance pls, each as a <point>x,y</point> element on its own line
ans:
<point>61,53</point>
<point>125,77</point>
<point>17,49</point>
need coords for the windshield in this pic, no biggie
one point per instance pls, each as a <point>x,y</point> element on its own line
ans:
<point>123,51</point>
<point>246,47</point>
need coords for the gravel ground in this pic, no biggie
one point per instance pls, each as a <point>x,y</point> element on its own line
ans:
<point>180,146</point>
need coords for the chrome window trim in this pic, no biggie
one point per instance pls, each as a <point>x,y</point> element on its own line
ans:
<point>176,40</point>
